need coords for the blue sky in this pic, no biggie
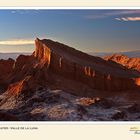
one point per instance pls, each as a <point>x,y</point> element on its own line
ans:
<point>87,30</point>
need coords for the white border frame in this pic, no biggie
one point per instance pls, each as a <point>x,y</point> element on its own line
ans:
<point>68,8</point>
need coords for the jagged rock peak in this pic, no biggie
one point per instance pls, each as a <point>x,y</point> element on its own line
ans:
<point>42,53</point>
<point>37,39</point>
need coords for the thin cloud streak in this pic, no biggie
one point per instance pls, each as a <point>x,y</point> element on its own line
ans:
<point>17,42</point>
<point>112,13</point>
<point>21,12</point>
<point>128,19</point>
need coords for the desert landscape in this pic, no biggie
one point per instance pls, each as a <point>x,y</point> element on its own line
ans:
<point>69,65</point>
<point>59,83</point>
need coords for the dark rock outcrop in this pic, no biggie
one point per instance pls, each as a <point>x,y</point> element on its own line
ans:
<point>6,66</point>
<point>6,69</point>
<point>135,108</point>
<point>5,116</point>
<point>119,115</point>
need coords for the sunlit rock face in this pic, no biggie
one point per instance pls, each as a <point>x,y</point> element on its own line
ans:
<point>137,80</point>
<point>130,63</point>
<point>42,52</point>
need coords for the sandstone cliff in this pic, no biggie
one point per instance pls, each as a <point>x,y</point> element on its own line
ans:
<point>93,71</point>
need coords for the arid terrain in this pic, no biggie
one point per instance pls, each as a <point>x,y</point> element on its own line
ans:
<point>60,83</point>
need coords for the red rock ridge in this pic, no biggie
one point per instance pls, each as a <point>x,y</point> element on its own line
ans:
<point>76,65</point>
<point>130,63</point>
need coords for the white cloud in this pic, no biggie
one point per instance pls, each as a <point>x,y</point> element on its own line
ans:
<point>13,12</point>
<point>128,19</point>
<point>112,13</point>
<point>16,42</point>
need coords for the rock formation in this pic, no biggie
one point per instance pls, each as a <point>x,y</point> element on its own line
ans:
<point>53,58</point>
<point>48,85</point>
<point>129,63</point>
<point>76,65</point>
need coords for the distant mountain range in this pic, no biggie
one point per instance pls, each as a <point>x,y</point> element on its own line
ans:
<point>11,55</point>
<point>129,53</point>
<point>100,54</point>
